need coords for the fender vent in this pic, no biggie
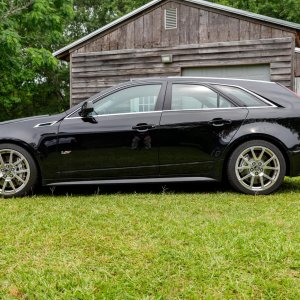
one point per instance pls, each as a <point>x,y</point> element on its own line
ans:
<point>45,124</point>
<point>170,18</point>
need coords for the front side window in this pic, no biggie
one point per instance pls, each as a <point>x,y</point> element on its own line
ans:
<point>131,100</point>
<point>245,98</point>
<point>188,96</point>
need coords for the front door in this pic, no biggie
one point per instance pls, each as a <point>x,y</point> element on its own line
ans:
<point>196,126</point>
<point>119,140</point>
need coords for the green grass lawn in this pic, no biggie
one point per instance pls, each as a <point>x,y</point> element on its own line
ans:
<point>173,243</point>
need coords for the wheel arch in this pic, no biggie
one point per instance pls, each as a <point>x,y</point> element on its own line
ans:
<point>29,149</point>
<point>250,137</point>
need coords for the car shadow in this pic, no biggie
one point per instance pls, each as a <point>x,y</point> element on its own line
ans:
<point>153,188</point>
<point>290,185</point>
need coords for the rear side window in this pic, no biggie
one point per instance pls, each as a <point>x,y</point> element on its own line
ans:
<point>188,96</point>
<point>245,98</point>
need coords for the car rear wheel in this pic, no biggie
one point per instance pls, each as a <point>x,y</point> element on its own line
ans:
<point>18,172</point>
<point>256,167</point>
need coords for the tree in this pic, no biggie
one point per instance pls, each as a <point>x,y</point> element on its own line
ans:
<point>288,10</point>
<point>93,14</point>
<point>32,81</point>
<point>29,31</point>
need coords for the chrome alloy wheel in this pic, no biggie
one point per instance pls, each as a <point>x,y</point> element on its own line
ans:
<point>14,172</point>
<point>257,168</point>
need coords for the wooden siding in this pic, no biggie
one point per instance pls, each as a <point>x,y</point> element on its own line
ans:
<point>93,72</point>
<point>297,65</point>
<point>196,25</point>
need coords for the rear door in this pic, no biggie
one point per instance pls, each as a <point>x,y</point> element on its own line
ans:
<point>196,126</point>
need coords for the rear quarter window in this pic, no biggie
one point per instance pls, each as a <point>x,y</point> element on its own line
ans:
<point>243,97</point>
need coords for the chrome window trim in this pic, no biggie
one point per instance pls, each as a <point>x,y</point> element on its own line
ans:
<point>218,78</point>
<point>67,117</point>
<point>106,115</point>
<point>117,89</point>
<point>207,86</point>
<point>270,104</point>
<point>177,110</point>
<point>224,108</point>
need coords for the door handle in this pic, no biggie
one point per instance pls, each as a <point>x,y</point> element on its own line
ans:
<point>218,122</point>
<point>143,127</point>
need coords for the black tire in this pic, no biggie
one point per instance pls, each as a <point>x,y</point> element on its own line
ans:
<point>256,167</point>
<point>19,171</point>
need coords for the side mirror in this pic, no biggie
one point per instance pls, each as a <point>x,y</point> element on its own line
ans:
<point>86,109</point>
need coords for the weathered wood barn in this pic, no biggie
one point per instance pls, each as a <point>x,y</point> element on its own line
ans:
<point>184,38</point>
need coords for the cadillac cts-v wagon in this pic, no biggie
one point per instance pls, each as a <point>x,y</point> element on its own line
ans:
<point>159,130</point>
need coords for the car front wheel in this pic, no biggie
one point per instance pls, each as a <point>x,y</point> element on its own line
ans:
<point>18,172</point>
<point>256,167</point>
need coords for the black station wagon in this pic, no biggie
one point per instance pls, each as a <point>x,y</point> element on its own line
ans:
<point>159,130</point>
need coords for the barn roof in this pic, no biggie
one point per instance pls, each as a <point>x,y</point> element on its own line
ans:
<point>63,51</point>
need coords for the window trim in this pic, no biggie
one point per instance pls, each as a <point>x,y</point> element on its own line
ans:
<point>179,110</point>
<point>268,103</point>
<point>224,108</point>
<point>158,106</point>
<point>120,114</point>
<point>122,100</point>
<point>211,85</point>
<point>168,99</point>
<point>165,97</point>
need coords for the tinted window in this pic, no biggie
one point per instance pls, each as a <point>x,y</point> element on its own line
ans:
<point>247,99</point>
<point>130,100</point>
<point>187,96</point>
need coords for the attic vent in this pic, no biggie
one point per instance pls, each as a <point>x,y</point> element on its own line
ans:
<point>171,18</point>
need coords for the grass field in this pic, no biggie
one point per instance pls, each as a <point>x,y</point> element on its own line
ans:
<point>151,242</point>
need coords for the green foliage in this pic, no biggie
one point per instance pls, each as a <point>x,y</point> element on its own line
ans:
<point>29,32</point>
<point>93,14</point>
<point>32,81</point>
<point>288,10</point>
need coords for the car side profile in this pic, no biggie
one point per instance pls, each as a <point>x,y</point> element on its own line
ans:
<point>159,130</point>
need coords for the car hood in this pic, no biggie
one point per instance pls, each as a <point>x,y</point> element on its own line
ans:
<point>38,119</point>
